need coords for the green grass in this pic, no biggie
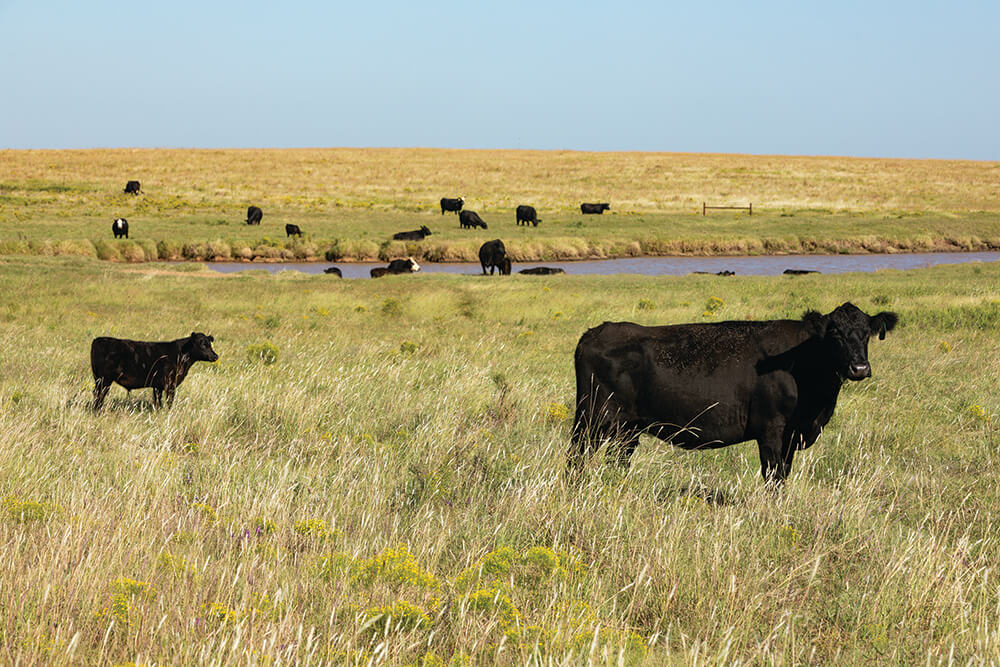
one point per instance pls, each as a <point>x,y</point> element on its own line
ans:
<point>390,487</point>
<point>349,202</point>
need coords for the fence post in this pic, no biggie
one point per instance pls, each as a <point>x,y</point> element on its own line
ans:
<point>703,208</point>
<point>751,208</point>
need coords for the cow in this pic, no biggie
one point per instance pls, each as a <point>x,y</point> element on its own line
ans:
<point>254,215</point>
<point>416,235</point>
<point>135,364</point>
<point>469,219</point>
<point>293,230</point>
<point>703,386</point>
<point>396,266</point>
<point>541,271</point>
<point>527,214</point>
<point>717,273</point>
<point>493,254</point>
<point>797,272</point>
<point>333,270</point>
<point>596,209</point>
<point>120,228</point>
<point>132,188</point>
<point>452,204</point>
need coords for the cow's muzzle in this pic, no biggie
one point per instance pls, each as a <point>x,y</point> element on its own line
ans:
<point>859,371</point>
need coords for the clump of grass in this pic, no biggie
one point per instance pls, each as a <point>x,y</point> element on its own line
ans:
<point>266,353</point>
<point>21,510</point>
<point>646,304</point>
<point>391,307</point>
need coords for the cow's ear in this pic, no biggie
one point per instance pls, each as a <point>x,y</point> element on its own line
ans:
<point>193,333</point>
<point>815,323</point>
<point>884,321</point>
<point>211,339</point>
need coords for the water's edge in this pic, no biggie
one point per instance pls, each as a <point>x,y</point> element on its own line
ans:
<point>758,265</point>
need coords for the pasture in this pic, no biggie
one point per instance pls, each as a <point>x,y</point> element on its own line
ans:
<point>373,472</point>
<point>349,202</point>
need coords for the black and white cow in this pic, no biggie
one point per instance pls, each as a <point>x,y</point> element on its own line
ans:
<point>120,228</point>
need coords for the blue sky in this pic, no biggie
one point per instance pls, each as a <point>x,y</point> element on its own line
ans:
<point>885,79</point>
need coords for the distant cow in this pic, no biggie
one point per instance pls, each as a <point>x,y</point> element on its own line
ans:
<point>703,386</point>
<point>717,273</point>
<point>132,188</point>
<point>452,204</point>
<point>493,254</point>
<point>333,270</point>
<point>470,219</point>
<point>597,209</point>
<point>120,228</point>
<point>541,271</point>
<point>135,364</point>
<point>408,265</point>
<point>527,214</point>
<point>797,272</point>
<point>254,215</point>
<point>293,230</point>
<point>416,235</point>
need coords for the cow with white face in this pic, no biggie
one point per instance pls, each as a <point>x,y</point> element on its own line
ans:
<point>120,228</point>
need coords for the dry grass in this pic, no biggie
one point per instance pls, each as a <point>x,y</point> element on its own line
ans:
<point>390,489</point>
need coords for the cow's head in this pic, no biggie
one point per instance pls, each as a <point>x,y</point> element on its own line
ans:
<point>425,230</point>
<point>461,199</point>
<point>199,347</point>
<point>414,267</point>
<point>845,333</point>
<point>483,224</point>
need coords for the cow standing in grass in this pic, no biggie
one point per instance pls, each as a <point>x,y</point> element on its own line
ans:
<point>703,386</point>
<point>594,209</point>
<point>120,228</point>
<point>254,215</point>
<point>493,254</point>
<point>454,205</point>
<point>527,215</point>
<point>470,219</point>
<point>135,364</point>
<point>293,230</point>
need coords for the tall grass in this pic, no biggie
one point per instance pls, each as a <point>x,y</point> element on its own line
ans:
<point>391,489</point>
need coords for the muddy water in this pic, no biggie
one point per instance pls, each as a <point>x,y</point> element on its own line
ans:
<point>770,265</point>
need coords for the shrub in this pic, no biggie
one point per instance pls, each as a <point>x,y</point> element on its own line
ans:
<point>334,252</point>
<point>646,304</point>
<point>266,352</point>
<point>391,307</point>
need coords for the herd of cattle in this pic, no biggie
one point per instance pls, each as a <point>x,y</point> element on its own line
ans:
<point>697,386</point>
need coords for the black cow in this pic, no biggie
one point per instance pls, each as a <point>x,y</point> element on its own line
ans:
<point>379,271</point>
<point>333,270</point>
<point>132,188</point>
<point>120,228</point>
<point>254,215</point>
<point>717,273</point>
<point>416,235</point>
<point>135,364</point>
<point>493,254</point>
<point>541,271</point>
<point>452,204</point>
<point>797,272</point>
<point>470,219</point>
<point>293,230</point>
<point>527,214</point>
<point>702,386</point>
<point>597,209</point>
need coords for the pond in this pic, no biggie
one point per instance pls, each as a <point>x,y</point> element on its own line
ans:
<point>764,265</point>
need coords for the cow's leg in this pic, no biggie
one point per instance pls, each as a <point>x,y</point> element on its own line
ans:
<point>158,396</point>
<point>171,390</point>
<point>101,387</point>
<point>775,457</point>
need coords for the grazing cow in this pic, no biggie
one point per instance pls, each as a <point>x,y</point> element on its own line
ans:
<point>493,254</point>
<point>527,214</point>
<point>132,188</point>
<point>541,271</point>
<point>254,215</point>
<point>468,219</point>
<point>135,364</point>
<point>702,386</point>
<point>596,209</point>
<point>120,228</point>
<point>293,230</point>
<point>416,235</point>
<point>452,204</point>
<point>333,270</point>
<point>797,272</point>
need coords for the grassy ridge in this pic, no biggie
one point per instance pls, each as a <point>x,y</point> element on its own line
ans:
<point>390,487</point>
<point>350,202</point>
